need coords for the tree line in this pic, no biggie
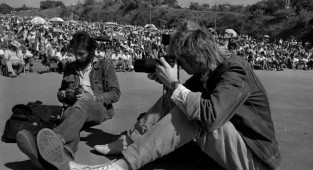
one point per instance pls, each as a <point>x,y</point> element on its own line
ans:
<point>268,17</point>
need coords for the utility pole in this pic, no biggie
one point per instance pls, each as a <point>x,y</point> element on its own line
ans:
<point>150,10</point>
<point>215,16</point>
<point>287,4</point>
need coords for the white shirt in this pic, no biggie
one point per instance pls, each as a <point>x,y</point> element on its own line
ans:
<point>1,52</point>
<point>84,78</point>
<point>12,55</point>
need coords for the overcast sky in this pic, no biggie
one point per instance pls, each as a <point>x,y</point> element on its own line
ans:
<point>36,3</point>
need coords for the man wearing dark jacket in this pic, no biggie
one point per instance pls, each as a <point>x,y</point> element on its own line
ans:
<point>89,88</point>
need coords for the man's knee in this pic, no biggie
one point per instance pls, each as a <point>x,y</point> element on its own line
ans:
<point>80,104</point>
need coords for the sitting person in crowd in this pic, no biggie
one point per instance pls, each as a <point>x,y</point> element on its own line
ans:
<point>264,61</point>
<point>223,107</point>
<point>14,57</point>
<point>278,61</point>
<point>28,58</point>
<point>295,61</point>
<point>121,60</point>
<point>310,61</point>
<point>127,61</point>
<point>2,60</point>
<point>115,59</point>
<point>89,88</point>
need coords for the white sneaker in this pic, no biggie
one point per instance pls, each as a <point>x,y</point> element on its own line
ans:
<point>107,166</point>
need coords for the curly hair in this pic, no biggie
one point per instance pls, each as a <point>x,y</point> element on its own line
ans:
<point>82,40</point>
<point>196,45</point>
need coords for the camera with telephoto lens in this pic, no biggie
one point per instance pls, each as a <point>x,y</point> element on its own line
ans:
<point>148,65</point>
<point>70,95</point>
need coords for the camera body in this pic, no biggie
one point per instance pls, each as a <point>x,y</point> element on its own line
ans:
<point>148,65</point>
<point>70,95</point>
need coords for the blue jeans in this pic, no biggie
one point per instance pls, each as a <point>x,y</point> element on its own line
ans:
<point>156,135</point>
<point>82,114</point>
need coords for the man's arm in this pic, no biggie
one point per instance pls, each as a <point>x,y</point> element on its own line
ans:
<point>110,81</point>
<point>212,112</point>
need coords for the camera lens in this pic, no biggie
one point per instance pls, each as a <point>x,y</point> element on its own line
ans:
<point>145,66</point>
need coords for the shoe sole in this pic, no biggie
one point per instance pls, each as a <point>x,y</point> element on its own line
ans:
<point>28,147</point>
<point>51,149</point>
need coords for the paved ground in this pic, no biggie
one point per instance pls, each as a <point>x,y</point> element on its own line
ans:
<point>290,93</point>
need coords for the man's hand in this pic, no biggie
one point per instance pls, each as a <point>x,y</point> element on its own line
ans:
<point>153,76</point>
<point>85,96</point>
<point>61,95</point>
<point>165,73</point>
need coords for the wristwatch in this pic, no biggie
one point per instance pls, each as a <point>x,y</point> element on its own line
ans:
<point>174,85</point>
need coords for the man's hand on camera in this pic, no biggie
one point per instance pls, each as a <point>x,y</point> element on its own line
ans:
<point>165,73</point>
<point>85,96</point>
<point>153,76</point>
<point>61,95</point>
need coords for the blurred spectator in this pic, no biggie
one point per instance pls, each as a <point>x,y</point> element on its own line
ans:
<point>14,57</point>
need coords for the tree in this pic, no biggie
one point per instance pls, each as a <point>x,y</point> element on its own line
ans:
<point>5,8</point>
<point>51,4</point>
<point>89,2</point>
<point>194,6</point>
<point>298,5</point>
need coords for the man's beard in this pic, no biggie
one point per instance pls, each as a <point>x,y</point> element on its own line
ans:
<point>84,63</point>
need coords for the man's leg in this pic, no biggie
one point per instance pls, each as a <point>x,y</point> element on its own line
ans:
<point>168,134</point>
<point>21,65</point>
<point>79,115</point>
<point>151,117</point>
<point>144,122</point>
<point>10,68</point>
<point>56,147</point>
<point>225,146</point>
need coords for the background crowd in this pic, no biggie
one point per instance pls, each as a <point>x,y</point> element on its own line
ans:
<point>28,38</point>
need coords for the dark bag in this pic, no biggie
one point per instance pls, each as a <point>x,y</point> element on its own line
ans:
<point>31,117</point>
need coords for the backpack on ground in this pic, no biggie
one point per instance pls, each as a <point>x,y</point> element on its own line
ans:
<point>31,117</point>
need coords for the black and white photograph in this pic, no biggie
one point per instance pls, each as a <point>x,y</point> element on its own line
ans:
<point>156,84</point>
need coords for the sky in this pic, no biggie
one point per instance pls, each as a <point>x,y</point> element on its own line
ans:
<point>36,3</point>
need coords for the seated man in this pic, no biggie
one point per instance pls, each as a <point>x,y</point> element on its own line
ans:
<point>89,88</point>
<point>28,58</point>
<point>14,57</point>
<point>115,59</point>
<point>223,107</point>
<point>127,64</point>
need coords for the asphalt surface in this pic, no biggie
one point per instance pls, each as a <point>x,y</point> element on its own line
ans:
<point>290,93</point>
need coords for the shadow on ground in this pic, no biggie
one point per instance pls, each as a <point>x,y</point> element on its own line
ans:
<point>25,165</point>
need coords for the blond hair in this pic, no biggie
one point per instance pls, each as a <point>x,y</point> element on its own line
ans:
<point>196,45</point>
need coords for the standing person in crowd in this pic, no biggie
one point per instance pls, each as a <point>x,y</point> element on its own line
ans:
<point>223,107</point>
<point>14,57</point>
<point>89,88</point>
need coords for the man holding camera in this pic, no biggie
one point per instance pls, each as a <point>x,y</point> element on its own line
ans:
<point>89,88</point>
<point>223,107</point>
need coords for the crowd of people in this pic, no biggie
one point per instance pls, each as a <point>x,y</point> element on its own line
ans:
<point>48,42</point>
<point>265,55</point>
<point>23,40</point>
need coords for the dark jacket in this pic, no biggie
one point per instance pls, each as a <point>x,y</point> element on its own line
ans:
<point>103,80</point>
<point>234,93</point>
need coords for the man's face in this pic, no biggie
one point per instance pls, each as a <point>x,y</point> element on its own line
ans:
<point>82,57</point>
<point>190,68</point>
